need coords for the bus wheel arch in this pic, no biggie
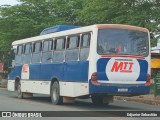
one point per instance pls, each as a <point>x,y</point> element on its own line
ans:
<point>55,92</point>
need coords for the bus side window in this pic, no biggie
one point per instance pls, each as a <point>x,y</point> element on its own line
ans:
<point>85,43</point>
<point>47,50</point>
<point>27,53</point>
<point>18,57</point>
<point>58,54</point>
<point>72,48</point>
<point>37,46</point>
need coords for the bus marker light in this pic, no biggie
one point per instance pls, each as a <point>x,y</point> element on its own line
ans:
<point>94,78</point>
<point>148,82</point>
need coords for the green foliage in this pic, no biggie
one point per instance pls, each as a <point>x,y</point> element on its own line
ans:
<point>133,12</point>
<point>143,13</point>
<point>153,42</point>
<point>30,17</point>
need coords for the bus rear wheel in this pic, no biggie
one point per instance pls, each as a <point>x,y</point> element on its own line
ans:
<point>97,99</point>
<point>55,94</point>
<point>19,92</point>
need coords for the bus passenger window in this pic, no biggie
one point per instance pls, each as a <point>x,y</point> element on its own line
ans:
<point>60,44</point>
<point>37,47</point>
<point>73,42</point>
<point>19,50</point>
<point>36,52</point>
<point>85,40</point>
<point>85,43</point>
<point>45,46</point>
<point>27,55</point>
<point>18,57</point>
<point>58,54</point>
<point>47,51</point>
<point>71,53</point>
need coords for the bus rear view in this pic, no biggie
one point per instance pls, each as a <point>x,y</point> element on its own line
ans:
<point>97,61</point>
<point>122,62</point>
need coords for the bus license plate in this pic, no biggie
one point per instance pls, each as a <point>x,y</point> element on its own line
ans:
<point>122,89</point>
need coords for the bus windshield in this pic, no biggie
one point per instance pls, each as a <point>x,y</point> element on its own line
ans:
<point>122,41</point>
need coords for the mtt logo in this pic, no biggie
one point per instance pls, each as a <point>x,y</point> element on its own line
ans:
<point>122,67</point>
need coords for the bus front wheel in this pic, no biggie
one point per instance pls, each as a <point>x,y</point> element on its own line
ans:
<point>19,92</point>
<point>55,94</point>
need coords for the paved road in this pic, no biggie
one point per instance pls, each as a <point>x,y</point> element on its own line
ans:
<point>9,102</point>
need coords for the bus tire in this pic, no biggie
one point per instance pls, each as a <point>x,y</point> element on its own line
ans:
<point>55,94</point>
<point>19,92</point>
<point>97,99</point>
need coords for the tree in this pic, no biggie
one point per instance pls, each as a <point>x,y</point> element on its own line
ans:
<point>133,12</point>
<point>30,17</point>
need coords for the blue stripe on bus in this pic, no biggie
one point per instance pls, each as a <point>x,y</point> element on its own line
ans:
<point>50,70</point>
<point>76,71</point>
<point>101,68</point>
<point>143,70</point>
<point>68,71</point>
<point>34,70</point>
<point>16,72</point>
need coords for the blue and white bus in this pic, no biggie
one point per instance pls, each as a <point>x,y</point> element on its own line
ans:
<point>98,61</point>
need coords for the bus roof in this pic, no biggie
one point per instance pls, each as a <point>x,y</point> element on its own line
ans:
<point>78,30</point>
<point>57,28</point>
<point>121,26</point>
<point>56,34</point>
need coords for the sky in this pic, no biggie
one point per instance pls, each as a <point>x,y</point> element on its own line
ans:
<point>8,2</point>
